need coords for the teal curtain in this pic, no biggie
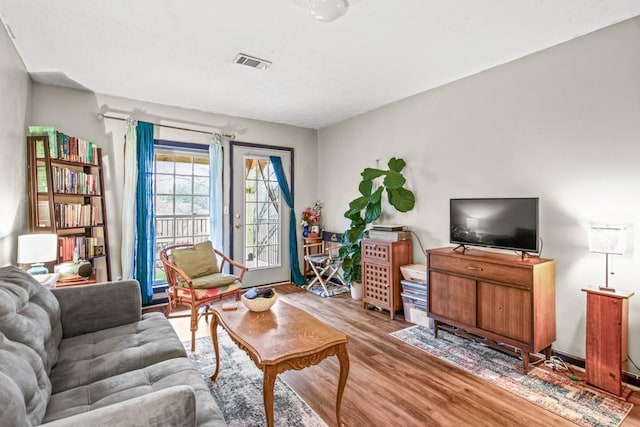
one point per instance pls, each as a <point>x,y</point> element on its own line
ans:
<point>145,219</point>
<point>296,277</point>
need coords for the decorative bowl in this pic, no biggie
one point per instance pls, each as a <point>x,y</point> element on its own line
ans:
<point>259,304</point>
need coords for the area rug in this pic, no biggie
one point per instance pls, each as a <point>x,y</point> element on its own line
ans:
<point>333,288</point>
<point>550,390</point>
<point>238,388</point>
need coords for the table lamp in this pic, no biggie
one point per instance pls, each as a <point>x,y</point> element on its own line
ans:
<point>607,239</point>
<point>36,249</point>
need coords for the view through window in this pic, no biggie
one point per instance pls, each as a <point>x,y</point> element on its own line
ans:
<point>181,197</point>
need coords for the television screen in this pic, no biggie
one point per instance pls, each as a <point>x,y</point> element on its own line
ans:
<point>504,223</point>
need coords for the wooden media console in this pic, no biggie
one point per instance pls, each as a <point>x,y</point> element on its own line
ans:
<point>504,300</point>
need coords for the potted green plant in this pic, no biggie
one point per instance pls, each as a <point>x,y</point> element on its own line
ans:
<point>367,208</point>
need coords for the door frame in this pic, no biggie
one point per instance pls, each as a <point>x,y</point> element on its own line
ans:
<point>238,144</point>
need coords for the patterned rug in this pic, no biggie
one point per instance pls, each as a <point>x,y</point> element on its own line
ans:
<point>238,388</point>
<point>550,390</point>
<point>333,288</point>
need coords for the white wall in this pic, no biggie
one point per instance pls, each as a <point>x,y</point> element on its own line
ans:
<point>562,125</point>
<point>15,89</point>
<point>75,113</point>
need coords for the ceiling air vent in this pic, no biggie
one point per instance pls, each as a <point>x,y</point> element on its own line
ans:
<point>251,61</point>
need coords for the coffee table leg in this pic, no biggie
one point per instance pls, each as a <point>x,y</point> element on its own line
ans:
<point>214,339</point>
<point>343,357</point>
<point>267,390</point>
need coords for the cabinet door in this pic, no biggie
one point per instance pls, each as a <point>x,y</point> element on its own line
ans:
<point>505,310</point>
<point>453,297</point>
<point>377,284</point>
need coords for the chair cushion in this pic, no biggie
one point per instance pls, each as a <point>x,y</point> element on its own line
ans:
<point>318,259</point>
<point>196,261</point>
<point>215,280</point>
<point>202,294</point>
<point>91,357</point>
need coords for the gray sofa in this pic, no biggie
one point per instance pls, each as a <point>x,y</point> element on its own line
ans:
<point>84,356</point>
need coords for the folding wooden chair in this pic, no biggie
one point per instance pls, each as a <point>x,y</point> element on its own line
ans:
<point>323,260</point>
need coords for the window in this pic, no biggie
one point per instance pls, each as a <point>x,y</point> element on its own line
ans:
<point>181,196</point>
<point>262,214</point>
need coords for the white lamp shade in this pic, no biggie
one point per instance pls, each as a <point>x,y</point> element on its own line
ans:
<point>327,10</point>
<point>607,239</point>
<point>36,248</point>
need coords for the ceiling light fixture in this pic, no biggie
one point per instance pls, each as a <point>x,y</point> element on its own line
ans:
<point>327,10</point>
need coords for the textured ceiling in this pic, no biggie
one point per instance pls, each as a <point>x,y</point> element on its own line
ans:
<point>180,52</point>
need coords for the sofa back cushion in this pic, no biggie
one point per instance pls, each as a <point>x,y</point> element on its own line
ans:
<point>25,387</point>
<point>30,314</point>
<point>30,334</point>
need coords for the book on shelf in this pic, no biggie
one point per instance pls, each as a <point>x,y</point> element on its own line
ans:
<point>74,182</point>
<point>64,147</point>
<point>70,215</point>
<point>85,247</point>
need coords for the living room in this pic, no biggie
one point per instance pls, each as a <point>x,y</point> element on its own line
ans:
<point>560,124</point>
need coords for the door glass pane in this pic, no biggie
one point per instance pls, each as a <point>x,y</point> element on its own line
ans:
<point>262,219</point>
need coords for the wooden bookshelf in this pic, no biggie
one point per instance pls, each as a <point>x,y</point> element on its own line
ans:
<point>66,197</point>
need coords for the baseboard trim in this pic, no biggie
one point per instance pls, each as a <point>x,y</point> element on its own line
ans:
<point>627,377</point>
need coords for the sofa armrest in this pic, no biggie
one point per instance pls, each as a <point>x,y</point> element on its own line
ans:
<point>90,308</point>
<point>173,406</point>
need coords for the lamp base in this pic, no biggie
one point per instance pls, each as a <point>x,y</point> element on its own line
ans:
<point>607,289</point>
<point>38,268</point>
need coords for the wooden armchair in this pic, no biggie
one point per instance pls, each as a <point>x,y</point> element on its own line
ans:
<point>195,279</point>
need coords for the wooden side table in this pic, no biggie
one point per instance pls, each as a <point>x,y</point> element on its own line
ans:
<point>607,337</point>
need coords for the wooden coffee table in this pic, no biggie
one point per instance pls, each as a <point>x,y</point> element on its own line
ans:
<point>280,339</point>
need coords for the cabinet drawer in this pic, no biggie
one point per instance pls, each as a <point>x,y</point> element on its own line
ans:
<point>484,270</point>
<point>375,251</point>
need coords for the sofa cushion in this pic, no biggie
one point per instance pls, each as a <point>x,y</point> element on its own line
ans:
<point>24,384</point>
<point>128,385</point>
<point>29,314</point>
<point>87,358</point>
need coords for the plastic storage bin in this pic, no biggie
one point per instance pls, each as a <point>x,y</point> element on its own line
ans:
<point>414,272</point>
<point>415,310</point>
<point>414,288</point>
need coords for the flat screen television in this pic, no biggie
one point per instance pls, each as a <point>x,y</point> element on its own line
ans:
<point>503,223</point>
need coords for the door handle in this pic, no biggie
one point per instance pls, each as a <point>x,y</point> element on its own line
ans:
<point>471,267</point>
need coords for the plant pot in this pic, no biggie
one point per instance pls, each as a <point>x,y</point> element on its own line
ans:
<point>356,291</point>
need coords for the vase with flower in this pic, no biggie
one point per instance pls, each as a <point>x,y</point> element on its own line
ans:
<point>310,221</point>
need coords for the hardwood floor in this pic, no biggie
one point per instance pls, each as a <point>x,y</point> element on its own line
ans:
<point>391,383</point>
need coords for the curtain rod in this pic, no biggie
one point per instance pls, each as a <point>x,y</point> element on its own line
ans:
<point>104,116</point>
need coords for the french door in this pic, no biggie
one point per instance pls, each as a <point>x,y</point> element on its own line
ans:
<point>259,214</point>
